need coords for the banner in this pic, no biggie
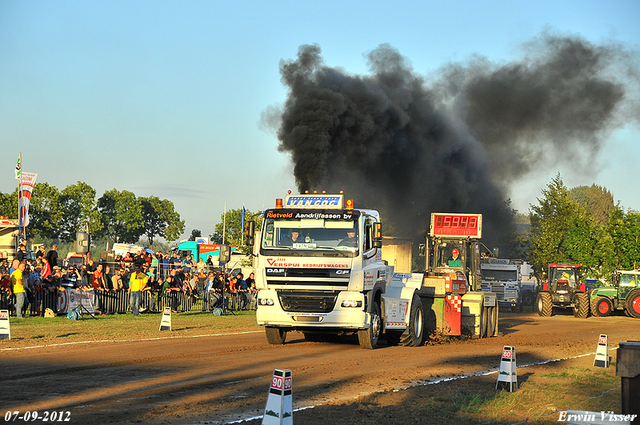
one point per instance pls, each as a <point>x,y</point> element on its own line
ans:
<point>28,181</point>
<point>71,298</point>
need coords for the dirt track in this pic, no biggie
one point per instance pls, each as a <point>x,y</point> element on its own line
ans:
<point>219,379</point>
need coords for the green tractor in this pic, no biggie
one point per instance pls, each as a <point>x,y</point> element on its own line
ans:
<point>563,289</point>
<point>623,295</point>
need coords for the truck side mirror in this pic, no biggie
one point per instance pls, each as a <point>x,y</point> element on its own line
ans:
<point>377,235</point>
<point>422,249</point>
<point>250,232</point>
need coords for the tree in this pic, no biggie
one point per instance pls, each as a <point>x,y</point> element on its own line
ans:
<point>562,230</point>
<point>45,212</point>
<point>597,200</point>
<point>231,222</point>
<point>195,234</point>
<point>121,215</point>
<point>624,230</point>
<point>78,203</point>
<point>9,204</point>
<point>161,219</point>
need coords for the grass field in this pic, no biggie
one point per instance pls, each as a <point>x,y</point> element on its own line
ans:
<point>44,331</point>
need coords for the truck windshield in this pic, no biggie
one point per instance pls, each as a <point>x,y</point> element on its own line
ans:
<point>311,231</point>
<point>501,275</point>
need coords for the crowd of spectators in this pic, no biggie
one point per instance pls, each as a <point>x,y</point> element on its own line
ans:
<point>150,281</point>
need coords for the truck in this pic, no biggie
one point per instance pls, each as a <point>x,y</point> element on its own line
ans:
<point>9,235</point>
<point>504,278</point>
<point>319,270</point>
<point>563,289</point>
<point>624,294</point>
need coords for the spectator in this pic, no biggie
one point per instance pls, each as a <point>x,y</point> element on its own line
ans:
<point>21,254</point>
<point>243,291</point>
<point>41,254</point>
<point>212,292</point>
<point>188,264</point>
<point>116,281</point>
<point>201,266</point>
<point>52,256</point>
<point>17,287</point>
<point>137,283</point>
<point>209,263</point>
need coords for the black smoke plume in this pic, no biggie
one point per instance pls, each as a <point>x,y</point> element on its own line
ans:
<point>408,146</point>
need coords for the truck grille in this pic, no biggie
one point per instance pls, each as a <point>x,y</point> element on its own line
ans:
<point>307,301</point>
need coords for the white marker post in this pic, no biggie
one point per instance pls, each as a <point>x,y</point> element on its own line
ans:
<point>507,376</point>
<point>279,409</point>
<point>165,323</point>
<point>602,358</point>
<point>5,326</point>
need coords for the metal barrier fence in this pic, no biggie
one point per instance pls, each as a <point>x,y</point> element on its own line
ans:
<point>117,302</point>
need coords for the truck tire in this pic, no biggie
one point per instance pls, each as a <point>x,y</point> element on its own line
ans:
<point>368,338</point>
<point>633,304</point>
<point>484,319</point>
<point>581,305</point>
<point>413,336</point>
<point>544,304</point>
<point>601,307</point>
<point>492,326</point>
<point>275,336</point>
<point>527,298</point>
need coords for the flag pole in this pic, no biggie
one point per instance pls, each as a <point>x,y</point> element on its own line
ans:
<point>20,201</point>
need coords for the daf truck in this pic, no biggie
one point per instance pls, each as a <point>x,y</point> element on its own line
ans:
<point>319,270</point>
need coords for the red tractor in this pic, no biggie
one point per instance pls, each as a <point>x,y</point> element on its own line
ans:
<point>563,289</point>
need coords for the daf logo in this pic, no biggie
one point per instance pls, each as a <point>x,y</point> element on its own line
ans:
<point>270,271</point>
<point>342,271</point>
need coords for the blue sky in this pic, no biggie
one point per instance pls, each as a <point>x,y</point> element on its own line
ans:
<point>165,98</point>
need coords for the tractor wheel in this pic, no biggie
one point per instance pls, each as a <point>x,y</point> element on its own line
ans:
<point>368,338</point>
<point>633,304</point>
<point>581,305</point>
<point>601,307</point>
<point>276,335</point>
<point>413,336</point>
<point>544,304</point>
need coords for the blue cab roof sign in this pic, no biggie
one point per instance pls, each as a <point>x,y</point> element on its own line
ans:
<point>314,201</point>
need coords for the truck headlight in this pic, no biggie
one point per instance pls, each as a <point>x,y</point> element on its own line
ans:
<point>265,301</point>
<point>352,304</point>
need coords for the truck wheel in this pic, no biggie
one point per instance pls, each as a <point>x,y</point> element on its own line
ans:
<point>413,336</point>
<point>368,338</point>
<point>493,322</point>
<point>276,335</point>
<point>581,306</point>
<point>633,304</point>
<point>544,304</point>
<point>527,298</point>
<point>601,307</point>
<point>484,318</point>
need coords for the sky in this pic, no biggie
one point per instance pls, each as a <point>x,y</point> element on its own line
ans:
<point>166,98</point>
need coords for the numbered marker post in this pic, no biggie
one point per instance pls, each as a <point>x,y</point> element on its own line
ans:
<point>507,376</point>
<point>5,327</point>
<point>602,358</point>
<point>165,323</point>
<point>279,409</point>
